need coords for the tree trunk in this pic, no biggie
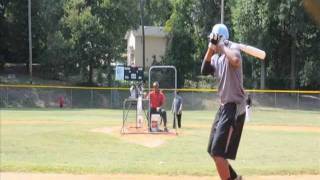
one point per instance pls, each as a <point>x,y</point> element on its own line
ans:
<point>90,73</point>
<point>293,65</point>
<point>109,71</point>
<point>263,75</point>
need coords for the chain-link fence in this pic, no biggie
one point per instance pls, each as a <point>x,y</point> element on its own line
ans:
<point>112,98</point>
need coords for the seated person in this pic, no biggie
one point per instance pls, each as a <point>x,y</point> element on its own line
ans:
<point>157,99</point>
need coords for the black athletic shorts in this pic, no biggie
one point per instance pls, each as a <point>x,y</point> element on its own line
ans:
<point>226,132</point>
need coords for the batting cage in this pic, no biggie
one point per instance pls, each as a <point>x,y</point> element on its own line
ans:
<point>151,110</point>
<point>162,81</point>
<point>134,109</point>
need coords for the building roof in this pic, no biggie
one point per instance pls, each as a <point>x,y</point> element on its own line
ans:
<point>151,31</point>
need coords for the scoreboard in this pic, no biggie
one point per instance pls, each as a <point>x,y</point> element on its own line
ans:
<point>129,73</point>
<point>133,73</point>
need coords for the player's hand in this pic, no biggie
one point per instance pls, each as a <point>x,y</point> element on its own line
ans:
<point>158,109</point>
<point>214,38</point>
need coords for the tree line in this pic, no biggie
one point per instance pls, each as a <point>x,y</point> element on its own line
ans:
<point>83,38</point>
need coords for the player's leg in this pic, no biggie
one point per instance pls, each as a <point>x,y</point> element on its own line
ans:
<point>223,131</point>
<point>179,120</point>
<point>212,133</point>
<point>163,114</point>
<point>223,172</point>
<point>151,111</point>
<point>236,137</point>
<point>222,167</point>
<point>235,141</point>
<point>174,120</point>
<point>233,173</point>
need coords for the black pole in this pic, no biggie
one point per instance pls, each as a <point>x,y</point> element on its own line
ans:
<point>142,28</point>
<point>30,40</point>
<point>222,11</point>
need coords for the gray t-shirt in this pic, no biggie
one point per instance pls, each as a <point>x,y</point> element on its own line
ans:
<point>230,79</point>
<point>177,102</point>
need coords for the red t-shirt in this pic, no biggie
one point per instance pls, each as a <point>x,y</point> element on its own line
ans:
<point>61,100</point>
<point>156,99</point>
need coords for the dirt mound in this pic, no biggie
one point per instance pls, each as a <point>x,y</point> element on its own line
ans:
<point>147,140</point>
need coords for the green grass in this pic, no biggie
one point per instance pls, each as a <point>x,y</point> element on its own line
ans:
<point>67,145</point>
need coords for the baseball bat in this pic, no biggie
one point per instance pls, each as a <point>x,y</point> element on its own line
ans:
<point>253,51</point>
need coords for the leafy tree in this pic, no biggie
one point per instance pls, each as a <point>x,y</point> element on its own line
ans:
<point>56,59</point>
<point>3,33</point>
<point>80,36</point>
<point>157,12</point>
<point>14,23</point>
<point>16,31</point>
<point>250,24</point>
<point>54,50</point>
<point>181,44</point>
<point>292,22</point>
<point>282,29</point>
<point>96,31</point>
<point>310,74</point>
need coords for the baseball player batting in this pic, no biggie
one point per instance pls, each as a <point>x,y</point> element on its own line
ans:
<point>224,61</point>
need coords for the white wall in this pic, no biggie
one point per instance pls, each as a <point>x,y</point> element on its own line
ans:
<point>131,49</point>
<point>153,46</point>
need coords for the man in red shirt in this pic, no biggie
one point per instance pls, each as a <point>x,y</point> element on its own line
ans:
<point>157,99</point>
<point>61,101</point>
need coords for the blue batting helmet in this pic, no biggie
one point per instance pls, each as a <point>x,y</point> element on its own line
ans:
<point>220,30</point>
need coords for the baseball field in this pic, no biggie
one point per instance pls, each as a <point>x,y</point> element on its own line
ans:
<point>87,144</point>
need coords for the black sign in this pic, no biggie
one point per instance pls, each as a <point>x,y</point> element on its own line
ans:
<point>133,73</point>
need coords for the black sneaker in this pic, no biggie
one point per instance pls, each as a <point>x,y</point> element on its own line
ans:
<point>166,129</point>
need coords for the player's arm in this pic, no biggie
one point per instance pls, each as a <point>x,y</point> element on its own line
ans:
<point>147,96</point>
<point>206,67</point>
<point>233,56</point>
<point>210,52</point>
